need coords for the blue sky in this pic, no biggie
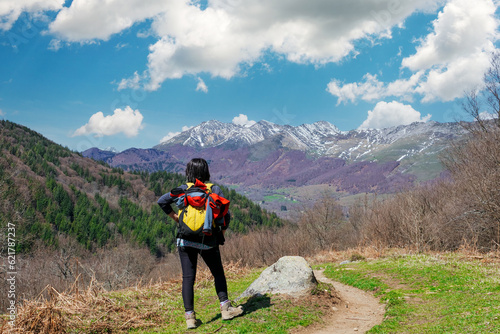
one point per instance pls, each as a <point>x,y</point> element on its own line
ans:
<point>131,73</point>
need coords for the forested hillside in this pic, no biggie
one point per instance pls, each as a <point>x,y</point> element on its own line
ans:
<point>47,190</point>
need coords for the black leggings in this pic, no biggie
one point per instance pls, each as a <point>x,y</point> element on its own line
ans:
<point>189,261</point>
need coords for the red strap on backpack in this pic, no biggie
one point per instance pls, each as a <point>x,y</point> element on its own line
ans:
<point>219,205</point>
<point>201,185</point>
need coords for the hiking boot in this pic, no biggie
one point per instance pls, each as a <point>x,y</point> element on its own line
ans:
<point>191,321</point>
<point>229,312</point>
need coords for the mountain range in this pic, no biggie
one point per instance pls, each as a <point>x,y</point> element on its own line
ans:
<point>268,157</point>
<point>49,192</point>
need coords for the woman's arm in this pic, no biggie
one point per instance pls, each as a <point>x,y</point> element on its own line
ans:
<point>174,216</point>
<point>164,203</point>
<point>167,199</point>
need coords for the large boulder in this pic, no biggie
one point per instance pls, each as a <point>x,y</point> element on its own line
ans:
<point>290,275</point>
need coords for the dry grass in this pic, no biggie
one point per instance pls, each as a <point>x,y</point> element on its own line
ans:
<point>96,310</point>
<point>90,310</point>
<point>232,270</point>
<point>322,227</point>
<point>462,211</point>
<point>355,254</point>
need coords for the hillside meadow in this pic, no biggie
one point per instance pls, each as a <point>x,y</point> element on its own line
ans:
<point>431,292</point>
<point>96,259</point>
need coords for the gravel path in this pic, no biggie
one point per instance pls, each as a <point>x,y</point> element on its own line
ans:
<point>357,313</point>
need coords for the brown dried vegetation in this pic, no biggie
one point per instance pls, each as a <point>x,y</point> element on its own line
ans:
<point>319,228</point>
<point>460,211</point>
<point>90,310</point>
<point>93,309</point>
<point>463,209</point>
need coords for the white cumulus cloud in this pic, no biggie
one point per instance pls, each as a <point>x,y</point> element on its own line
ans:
<point>462,29</point>
<point>88,20</point>
<point>126,121</point>
<point>11,10</point>
<point>229,35</point>
<point>456,54</point>
<point>451,59</point>
<point>171,135</point>
<point>372,89</point>
<point>133,82</point>
<point>387,114</point>
<point>450,82</point>
<point>55,45</point>
<point>201,86</point>
<point>242,120</point>
<point>369,90</point>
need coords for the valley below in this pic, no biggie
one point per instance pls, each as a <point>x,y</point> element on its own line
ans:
<point>282,167</point>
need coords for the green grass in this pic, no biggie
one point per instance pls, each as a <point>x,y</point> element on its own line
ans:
<point>429,294</point>
<point>263,314</point>
<point>275,197</point>
<point>439,293</point>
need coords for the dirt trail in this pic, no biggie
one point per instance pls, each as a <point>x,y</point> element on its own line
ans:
<point>357,313</point>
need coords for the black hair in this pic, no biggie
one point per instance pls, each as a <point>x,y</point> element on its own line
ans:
<point>197,168</point>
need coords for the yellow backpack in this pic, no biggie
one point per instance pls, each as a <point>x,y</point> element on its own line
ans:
<point>200,210</point>
<point>194,214</point>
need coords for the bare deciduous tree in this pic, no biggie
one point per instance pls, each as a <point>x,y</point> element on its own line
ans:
<point>488,94</point>
<point>464,209</point>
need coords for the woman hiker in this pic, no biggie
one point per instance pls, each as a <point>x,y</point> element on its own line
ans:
<point>208,247</point>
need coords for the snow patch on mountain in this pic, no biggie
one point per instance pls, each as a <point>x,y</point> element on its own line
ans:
<point>214,133</point>
<point>321,138</point>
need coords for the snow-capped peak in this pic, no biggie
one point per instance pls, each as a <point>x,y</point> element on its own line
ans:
<point>319,138</point>
<point>215,133</point>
